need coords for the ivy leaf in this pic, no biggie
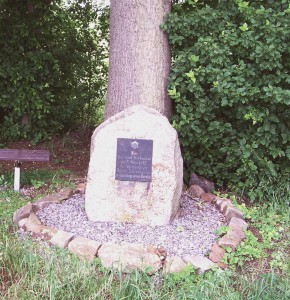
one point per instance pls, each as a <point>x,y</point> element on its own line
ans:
<point>172,92</point>
<point>191,76</point>
<point>194,58</point>
<point>244,27</point>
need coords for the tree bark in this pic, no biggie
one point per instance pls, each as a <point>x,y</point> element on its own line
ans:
<point>139,60</point>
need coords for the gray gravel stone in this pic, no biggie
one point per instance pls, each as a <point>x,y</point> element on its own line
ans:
<point>191,233</point>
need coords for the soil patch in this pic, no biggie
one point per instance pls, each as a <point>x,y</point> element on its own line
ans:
<point>70,152</point>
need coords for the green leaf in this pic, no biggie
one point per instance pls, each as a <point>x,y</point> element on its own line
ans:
<point>244,27</point>
<point>172,92</point>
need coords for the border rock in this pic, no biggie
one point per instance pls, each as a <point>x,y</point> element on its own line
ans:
<point>47,233</point>
<point>219,201</point>
<point>22,222</point>
<point>33,224</point>
<point>233,213</point>
<point>200,263</point>
<point>127,257</point>
<point>53,198</point>
<point>238,224</point>
<point>208,197</point>
<point>231,241</point>
<point>216,253</point>
<point>84,248</point>
<point>61,238</point>
<point>195,191</point>
<point>80,187</point>
<point>174,264</point>
<point>22,212</point>
<point>205,184</point>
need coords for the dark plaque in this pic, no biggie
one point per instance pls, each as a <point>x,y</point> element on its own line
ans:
<point>134,160</point>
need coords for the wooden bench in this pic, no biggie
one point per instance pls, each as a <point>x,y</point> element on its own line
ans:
<point>19,155</point>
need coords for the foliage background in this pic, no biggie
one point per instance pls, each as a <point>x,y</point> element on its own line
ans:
<point>230,85</point>
<point>53,66</point>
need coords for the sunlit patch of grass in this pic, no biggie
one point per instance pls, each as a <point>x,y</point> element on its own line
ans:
<point>47,178</point>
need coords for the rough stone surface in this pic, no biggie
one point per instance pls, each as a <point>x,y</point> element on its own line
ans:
<point>205,184</point>
<point>239,233</point>
<point>222,265</point>
<point>155,202</point>
<point>22,222</point>
<point>229,240</point>
<point>53,198</point>
<point>160,251</point>
<point>216,253</point>
<point>236,235</point>
<point>22,213</point>
<point>127,257</point>
<point>64,194</point>
<point>220,202</point>
<point>33,224</point>
<point>62,238</point>
<point>84,248</point>
<point>174,264</point>
<point>80,187</point>
<point>196,191</point>
<point>42,203</point>
<point>47,233</point>
<point>200,263</point>
<point>208,197</point>
<point>237,224</point>
<point>184,188</point>
<point>233,213</point>
<point>225,206</point>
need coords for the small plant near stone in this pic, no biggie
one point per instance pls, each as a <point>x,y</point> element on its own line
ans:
<point>3,182</point>
<point>58,161</point>
<point>9,202</point>
<point>61,183</point>
<point>280,261</point>
<point>222,230</point>
<point>186,276</point>
<point>37,183</point>
<point>248,250</point>
<point>268,232</point>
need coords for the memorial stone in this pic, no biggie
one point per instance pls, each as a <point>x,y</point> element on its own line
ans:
<point>136,169</point>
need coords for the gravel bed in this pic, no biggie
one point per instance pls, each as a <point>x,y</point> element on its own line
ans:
<point>193,232</point>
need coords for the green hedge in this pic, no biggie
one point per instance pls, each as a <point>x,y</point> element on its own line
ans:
<point>230,84</point>
<point>53,69</point>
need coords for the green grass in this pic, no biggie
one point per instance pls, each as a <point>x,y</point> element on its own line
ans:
<point>39,178</point>
<point>30,270</point>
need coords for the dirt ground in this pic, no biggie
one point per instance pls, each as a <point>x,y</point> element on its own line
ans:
<point>70,152</point>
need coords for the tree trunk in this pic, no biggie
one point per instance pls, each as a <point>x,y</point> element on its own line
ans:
<point>139,61</point>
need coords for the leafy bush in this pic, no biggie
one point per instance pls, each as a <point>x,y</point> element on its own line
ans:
<point>230,85</point>
<point>53,67</point>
